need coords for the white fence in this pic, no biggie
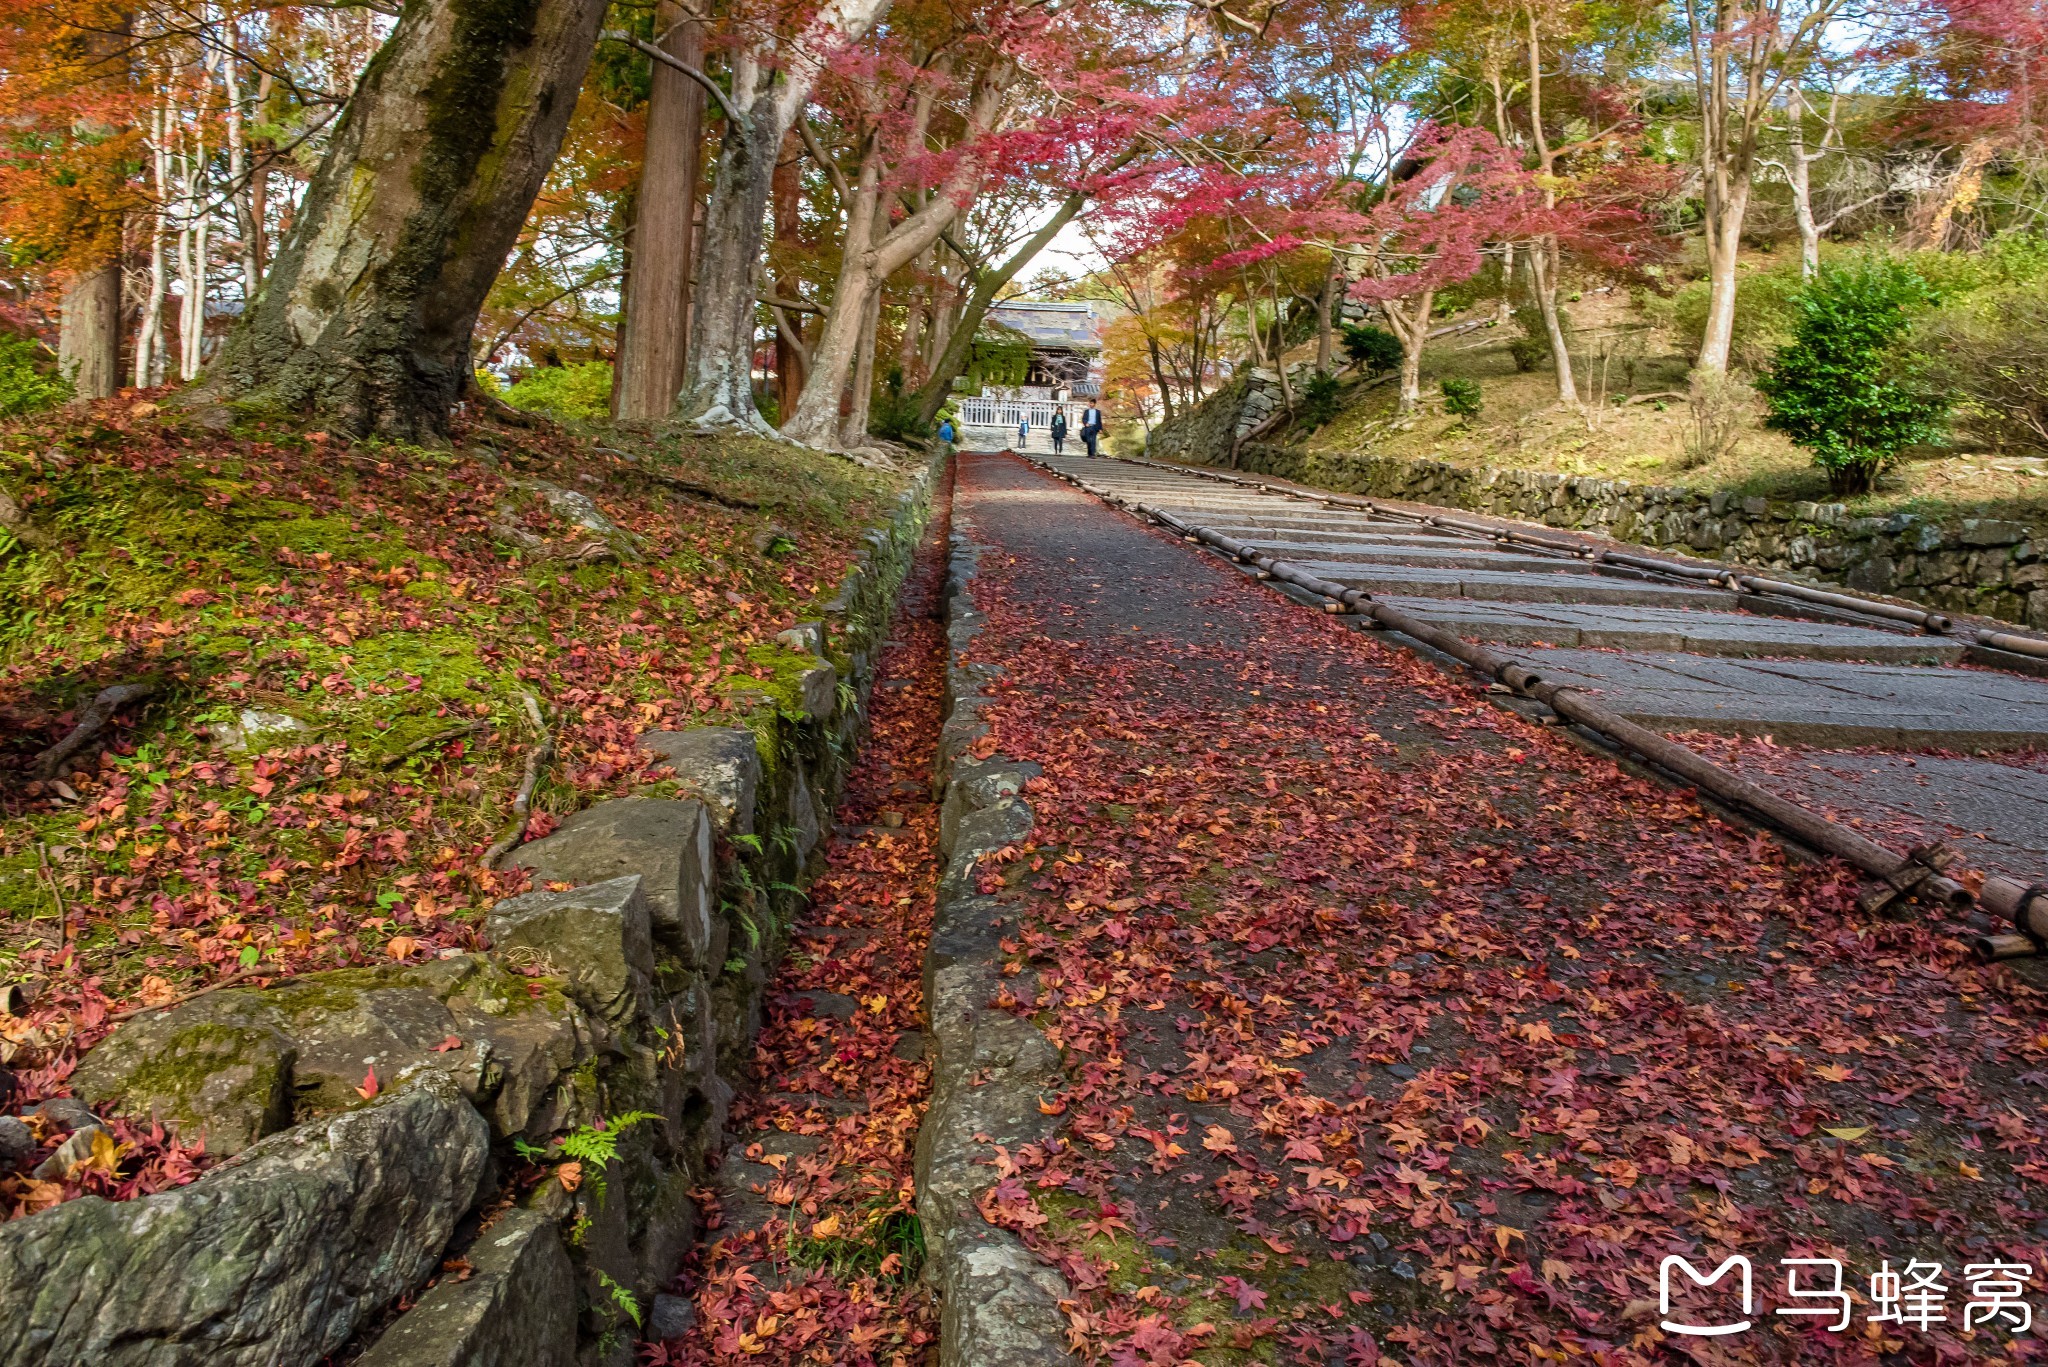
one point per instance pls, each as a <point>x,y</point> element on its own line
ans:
<point>986,412</point>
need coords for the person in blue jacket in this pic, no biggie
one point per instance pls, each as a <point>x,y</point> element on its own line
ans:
<point>946,431</point>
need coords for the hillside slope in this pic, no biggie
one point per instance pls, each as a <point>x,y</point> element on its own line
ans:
<point>341,652</point>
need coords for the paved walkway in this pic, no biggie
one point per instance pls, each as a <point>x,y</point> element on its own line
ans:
<point>1686,659</point>
<point>1398,1028</point>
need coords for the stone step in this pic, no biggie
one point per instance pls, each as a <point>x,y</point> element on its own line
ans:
<point>1634,626</point>
<point>1813,702</point>
<point>1512,586</point>
<point>1473,557</point>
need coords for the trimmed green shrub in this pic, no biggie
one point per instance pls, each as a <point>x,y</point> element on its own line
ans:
<point>1462,398</point>
<point>25,386</point>
<point>1318,400</point>
<point>1837,389</point>
<point>1371,349</point>
<point>1529,352</point>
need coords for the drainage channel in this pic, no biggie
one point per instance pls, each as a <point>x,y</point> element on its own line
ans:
<point>814,1251</point>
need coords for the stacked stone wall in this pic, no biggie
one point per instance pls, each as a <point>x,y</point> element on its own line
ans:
<point>628,984</point>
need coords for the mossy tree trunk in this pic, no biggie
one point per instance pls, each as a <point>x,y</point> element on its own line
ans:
<point>365,320</point>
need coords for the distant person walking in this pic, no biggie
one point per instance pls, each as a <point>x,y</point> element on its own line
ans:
<point>1023,434</point>
<point>946,431</point>
<point>1091,427</point>
<point>1059,431</point>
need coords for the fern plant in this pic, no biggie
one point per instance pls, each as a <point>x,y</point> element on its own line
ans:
<point>595,1148</point>
<point>621,1297</point>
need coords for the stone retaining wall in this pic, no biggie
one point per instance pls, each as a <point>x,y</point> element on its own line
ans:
<point>1205,433</point>
<point>1963,564</point>
<point>637,990</point>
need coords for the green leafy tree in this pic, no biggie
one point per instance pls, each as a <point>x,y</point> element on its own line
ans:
<point>1838,388</point>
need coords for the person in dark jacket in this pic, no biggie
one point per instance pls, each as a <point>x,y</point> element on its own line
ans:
<point>1059,430</point>
<point>1091,427</point>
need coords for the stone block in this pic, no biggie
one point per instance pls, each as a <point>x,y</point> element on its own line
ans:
<point>237,1065</point>
<point>1985,531</point>
<point>802,815</point>
<point>670,1317</point>
<point>217,1068</point>
<point>517,1306</point>
<point>596,937</point>
<point>818,691</point>
<point>277,1258</point>
<point>16,1143</point>
<point>805,638</point>
<point>666,842</point>
<point>1875,575</point>
<point>718,764</point>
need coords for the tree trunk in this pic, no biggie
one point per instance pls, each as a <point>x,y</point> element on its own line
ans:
<point>89,337</point>
<point>1411,325</point>
<point>657,322</point>
<point>866,263</point>
<point>770,85</point>
<point>907,350</point>
<point>938,386</point>
<point>1159,378</point>
<point>718,375</point>
<point>192,262</point>
<point>862,386</point>
<point>149,327</point>
<point>1799,171</point>
<point>790,362</point>
<point>366,318</point>
<point>242,197</point>
<point>1723,227</point>
<point>1326,328</point>
<point>1542,258</point>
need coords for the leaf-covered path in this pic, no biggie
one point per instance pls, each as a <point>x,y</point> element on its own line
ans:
<point>1397,1028</point>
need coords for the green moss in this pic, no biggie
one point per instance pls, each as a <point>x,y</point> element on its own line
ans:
<point>181,1079</point>
<point>1132,1264</point>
